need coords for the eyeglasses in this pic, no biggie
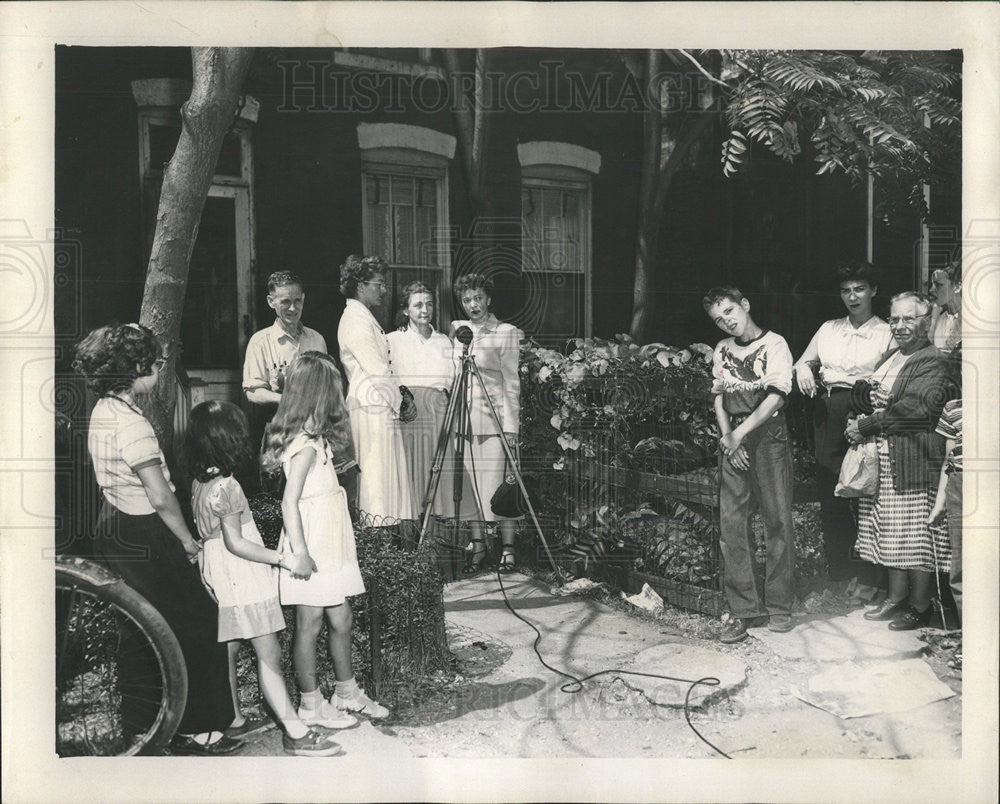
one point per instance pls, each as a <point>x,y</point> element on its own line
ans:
<point>908,320</point>
<point>375,282</point>
<point>160,362</point>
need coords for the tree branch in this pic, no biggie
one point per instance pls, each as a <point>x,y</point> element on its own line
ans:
<point>703,71</point>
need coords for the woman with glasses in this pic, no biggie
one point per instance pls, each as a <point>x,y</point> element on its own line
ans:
<point>375,400</point>
<point>901,403</point>
<point>842,352</point>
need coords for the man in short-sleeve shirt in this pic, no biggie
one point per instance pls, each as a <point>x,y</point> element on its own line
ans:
<point>269,353</point>
<point>270,350</point>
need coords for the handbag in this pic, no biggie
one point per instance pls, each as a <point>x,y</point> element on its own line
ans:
<point>859,471</point>
<point>508,500</point>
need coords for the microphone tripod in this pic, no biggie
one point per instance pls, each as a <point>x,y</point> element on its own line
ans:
<point>458,421</point>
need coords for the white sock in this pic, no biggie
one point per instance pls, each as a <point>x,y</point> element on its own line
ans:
<point>346,689</point>
<point>311,700</point>
<point>296,728</point>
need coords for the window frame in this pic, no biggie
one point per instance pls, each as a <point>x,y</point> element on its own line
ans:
<point>412,163</point>
<point>564,178</point>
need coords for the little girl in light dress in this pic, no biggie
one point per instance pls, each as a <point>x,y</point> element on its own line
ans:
<point>326,528</point>
<point>308,438</point>
<point>236,568</point>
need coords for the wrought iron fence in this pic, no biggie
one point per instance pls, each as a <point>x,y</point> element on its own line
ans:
<point>643,489</point>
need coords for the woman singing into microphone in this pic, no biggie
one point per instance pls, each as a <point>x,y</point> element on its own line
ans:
<point>495,346</point>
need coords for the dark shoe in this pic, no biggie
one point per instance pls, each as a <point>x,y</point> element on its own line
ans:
<point>909,619</point>
<point>252,724</point>
<point>313,744</point>
<point>474,555</point>
<point>780,623</point>
<point>886,611</point>
<point>733,631</point>
<point>182,745</point>
<point>507,562</point>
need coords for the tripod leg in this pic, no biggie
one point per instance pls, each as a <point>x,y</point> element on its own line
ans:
<point>454,402</point>
<point>508,453</point>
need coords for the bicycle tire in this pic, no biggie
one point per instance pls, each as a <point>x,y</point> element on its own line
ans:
<point>102,626</point>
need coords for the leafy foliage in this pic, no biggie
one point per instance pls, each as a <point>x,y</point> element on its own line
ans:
<point>614,406</point>
<point>865,114</point>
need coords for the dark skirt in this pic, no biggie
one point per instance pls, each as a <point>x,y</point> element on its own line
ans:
<point>836,513</point>
<point>152,561</point>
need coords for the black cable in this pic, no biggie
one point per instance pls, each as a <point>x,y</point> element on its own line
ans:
<point>575,684</point>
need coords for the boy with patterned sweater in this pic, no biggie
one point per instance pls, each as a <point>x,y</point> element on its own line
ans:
<point>752,375</point>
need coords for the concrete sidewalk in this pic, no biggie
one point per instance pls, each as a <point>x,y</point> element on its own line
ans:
<point>513,706</point>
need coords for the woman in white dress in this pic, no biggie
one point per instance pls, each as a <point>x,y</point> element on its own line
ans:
<point>425,363</point>
<point>374,398</point>
<point>496,347</point>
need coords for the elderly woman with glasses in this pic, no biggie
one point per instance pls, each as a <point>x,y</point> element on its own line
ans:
<point>902,401</point>
<point>375,400</point>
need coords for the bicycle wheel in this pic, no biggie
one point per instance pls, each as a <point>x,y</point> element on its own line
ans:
<point>121,681</point>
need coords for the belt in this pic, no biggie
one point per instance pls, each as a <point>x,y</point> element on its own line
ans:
<point>825,391</point>
<point>736,419</point>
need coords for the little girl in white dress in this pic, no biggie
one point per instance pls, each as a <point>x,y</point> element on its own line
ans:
<point>308,438</point>
<point>236,568</point>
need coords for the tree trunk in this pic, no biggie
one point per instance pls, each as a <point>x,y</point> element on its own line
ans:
<point>647,234</point>
<point>653,191</point>
<point>471,125</point>
<point>218,75</point>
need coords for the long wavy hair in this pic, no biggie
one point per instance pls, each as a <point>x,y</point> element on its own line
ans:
<point>218,438</point>
<point>312,402</point>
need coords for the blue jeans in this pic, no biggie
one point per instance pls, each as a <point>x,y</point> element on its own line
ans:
<point>767,485</point>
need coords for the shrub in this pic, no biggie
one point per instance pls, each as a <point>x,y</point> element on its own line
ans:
<point>403,608</point>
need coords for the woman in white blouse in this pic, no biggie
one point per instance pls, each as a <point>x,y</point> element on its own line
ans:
<point>425,363</point>
<point>843,350</point>
<point>496,347</point>
<point>374,399</point>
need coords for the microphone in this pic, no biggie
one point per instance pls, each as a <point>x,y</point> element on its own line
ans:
<point>464,335</point>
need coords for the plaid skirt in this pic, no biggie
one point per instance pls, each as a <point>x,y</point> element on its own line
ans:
<point>893,529</point>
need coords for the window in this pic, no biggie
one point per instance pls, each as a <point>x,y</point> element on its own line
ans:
<point>555,227</point>
<point>405,208</point>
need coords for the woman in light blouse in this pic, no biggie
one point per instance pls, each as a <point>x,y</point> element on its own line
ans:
<point>425,363</point>
<point>496,347</point>
<point>844,350</point>
<point>374,399</point>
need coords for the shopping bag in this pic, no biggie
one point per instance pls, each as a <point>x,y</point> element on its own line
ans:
<point>859,471</point>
